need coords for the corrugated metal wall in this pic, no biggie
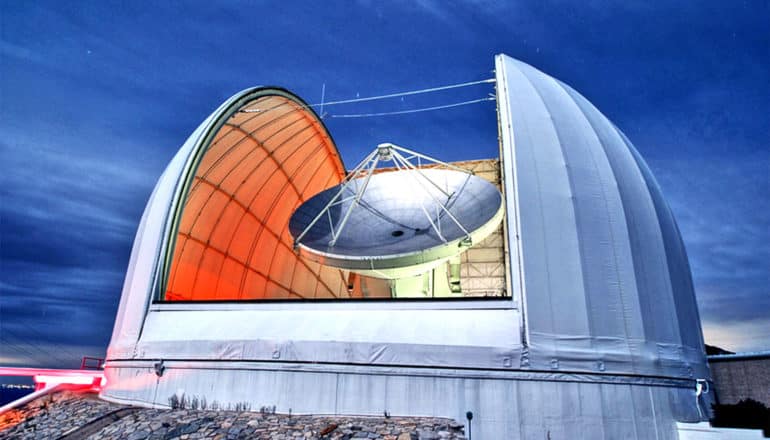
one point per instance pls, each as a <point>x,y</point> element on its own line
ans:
<point>483,271</point>
<point>515,407</point>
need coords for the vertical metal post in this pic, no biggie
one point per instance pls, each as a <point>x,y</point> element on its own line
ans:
<point>469,416</point>
<point>359,194</point>
<point>344,185</point>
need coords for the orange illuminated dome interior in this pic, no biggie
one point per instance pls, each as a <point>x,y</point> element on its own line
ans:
<point>232,241</point>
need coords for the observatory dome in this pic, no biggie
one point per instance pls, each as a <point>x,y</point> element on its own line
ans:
<point>597,331</point>
<point>597,255</point>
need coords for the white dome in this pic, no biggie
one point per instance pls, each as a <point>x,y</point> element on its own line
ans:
<point>598,258</point>
<point>599,336</point>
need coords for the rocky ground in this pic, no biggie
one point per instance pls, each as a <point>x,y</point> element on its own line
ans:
<point>49,417</point>
<point>70,416</point>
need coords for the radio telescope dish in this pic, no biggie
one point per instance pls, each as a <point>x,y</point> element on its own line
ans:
<point>396,224</point>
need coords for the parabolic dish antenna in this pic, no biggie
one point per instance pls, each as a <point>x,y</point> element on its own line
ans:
<point>396,223</point>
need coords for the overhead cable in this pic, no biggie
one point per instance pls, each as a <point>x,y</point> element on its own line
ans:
<point>412,92</point>
<point>372,98</point>
<point>40,336</point>
<point>417,110</point>
<point>40,343</point>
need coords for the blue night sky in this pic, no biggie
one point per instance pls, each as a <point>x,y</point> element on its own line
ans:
<point>95,98</point>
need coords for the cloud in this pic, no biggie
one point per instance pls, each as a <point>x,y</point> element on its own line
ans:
<point>738,336</point>
<point>68,220</point>
<point>722,207</point>
<point>55,315</point>
<point>22,53</point>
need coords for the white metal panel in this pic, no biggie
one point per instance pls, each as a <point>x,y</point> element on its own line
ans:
<point>550,249</point>
<point>610,285</point>
<point>503,408</point>
<point>474,328</point>
<point>646,242</point>
<point>425,337</point>
<point>605,277</point>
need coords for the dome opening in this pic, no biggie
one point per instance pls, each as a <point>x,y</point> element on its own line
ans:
<point>232,242</point>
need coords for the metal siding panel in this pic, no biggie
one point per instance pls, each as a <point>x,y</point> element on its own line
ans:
<point>682,405</point>
<point>493,404</point>
<point>569,398</point>
<point>130,385</point>
<point>646,242</point>
<point>623,251</point>
<point>679,268</point>
<point>503,408</point>
<point>397,392</point>
<point>508,183</point>
<point>485,338</point>
<point>644,421</point>
<point>618,411</point>
<point>591,412</point>
<point>618,261</point>
<point>532,408</point>
<point>608,274</point>
<point>549,241</point>
<point>471,328</point>
<point>553,410</point>
<point>597,209</point>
